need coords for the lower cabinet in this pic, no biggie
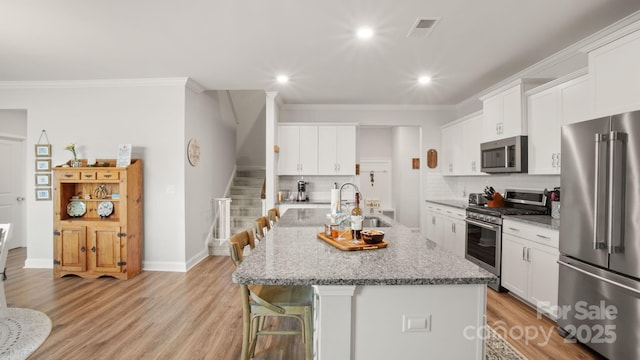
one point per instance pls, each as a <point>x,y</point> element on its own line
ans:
<point>529,265</point>
<point>95,250</point>
<point>446,227</point>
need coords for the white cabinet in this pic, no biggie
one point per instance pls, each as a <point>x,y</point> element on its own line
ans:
<point>544,132</point>
<point>446,227</point>
<point>451,149</point>
<point>461,140</point>
<point>529,264</point>
<point>615,71</point>
<point>298,153</point>
<point>337,150</point>
<point>561,102</point>
<point>504,110</point>
<point>472,129</point>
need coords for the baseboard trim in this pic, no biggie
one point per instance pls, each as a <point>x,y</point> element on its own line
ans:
<point>164,266</point>
<point>38,264</point>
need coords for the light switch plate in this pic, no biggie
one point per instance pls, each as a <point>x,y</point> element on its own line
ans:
<point>416,323</point>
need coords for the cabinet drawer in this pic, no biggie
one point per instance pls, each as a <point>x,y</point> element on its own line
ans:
<point>70,175</point>
<point>108,175</point>
<point>534,233</point>
<point>88,175</point>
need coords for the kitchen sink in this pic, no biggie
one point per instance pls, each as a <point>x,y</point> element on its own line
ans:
<point>372,221</point>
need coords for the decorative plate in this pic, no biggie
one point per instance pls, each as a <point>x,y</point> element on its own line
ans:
<point>105,208</point>
<point>76,208</point>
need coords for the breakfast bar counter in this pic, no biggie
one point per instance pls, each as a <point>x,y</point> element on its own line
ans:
<point>419,297</point>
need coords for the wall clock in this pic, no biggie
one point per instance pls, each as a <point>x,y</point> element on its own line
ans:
<point>193,152</point>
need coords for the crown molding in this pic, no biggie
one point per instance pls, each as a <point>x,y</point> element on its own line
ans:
<point>368,107</point>
<point>70,84</point>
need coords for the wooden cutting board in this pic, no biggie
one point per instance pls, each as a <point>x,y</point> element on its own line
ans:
<point>349,245</point>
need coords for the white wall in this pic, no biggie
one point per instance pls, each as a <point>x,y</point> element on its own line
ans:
<point>250,112</point>
<point>375,142</point>
<point>13,122</point>
<point>99,115</point>
<point>406,188</point>
<point>209,119</point>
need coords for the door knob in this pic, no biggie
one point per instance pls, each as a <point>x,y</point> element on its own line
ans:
<point>20,198</point>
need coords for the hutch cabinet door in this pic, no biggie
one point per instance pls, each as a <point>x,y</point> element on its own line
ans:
<point>70,248</point>
<point>104,248</point>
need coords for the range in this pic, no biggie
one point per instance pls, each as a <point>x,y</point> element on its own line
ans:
<point>484,227</point>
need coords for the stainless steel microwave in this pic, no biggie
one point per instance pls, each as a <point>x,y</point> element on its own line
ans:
<point>508,155</point>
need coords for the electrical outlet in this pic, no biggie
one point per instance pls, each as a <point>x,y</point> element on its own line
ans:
<point>416,323</point>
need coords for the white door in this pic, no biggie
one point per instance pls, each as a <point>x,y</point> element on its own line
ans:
<point>12,207</point>
<point>514,265</point>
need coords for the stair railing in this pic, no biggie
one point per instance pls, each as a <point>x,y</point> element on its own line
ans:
<point>221,219</point>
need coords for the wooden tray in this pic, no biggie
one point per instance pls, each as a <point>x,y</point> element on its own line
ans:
<point>347,245</point>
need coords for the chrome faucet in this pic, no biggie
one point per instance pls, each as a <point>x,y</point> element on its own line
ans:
<point>340,194</point>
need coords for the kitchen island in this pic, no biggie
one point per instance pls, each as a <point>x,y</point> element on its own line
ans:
<point>412,299</point>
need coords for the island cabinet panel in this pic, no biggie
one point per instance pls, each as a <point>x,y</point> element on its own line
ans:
<point>98,220</point>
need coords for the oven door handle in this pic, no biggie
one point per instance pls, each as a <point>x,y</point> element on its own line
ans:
<point>483,225</point>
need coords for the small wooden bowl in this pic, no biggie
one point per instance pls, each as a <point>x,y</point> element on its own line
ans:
<point>372,236</point>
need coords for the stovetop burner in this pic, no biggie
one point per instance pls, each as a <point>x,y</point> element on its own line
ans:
<point>516,202</point>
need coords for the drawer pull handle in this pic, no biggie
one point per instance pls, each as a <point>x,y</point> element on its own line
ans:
<point>68,175</point>
<point>514,229</point>
<point>107,175</point>
<point>88,176</point>
<point>542,236</point>
<point>93,249</point>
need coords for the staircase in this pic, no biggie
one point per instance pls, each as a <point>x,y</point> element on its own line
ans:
<point>246,204</point>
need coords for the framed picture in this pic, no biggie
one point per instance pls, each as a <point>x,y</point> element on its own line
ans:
<point>43,194</point>
<point>124,155</point>
<point>43,179</point>
<point>43,164</point>
<point>43,150</point>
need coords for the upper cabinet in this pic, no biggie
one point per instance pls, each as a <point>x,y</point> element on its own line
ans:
<point>337,150</point>
<point>298,150</point>
<point>316,149</point>
<point>505,110</point>
<point>461,140</point>
<point>613,65</point>
<point>561,102</point>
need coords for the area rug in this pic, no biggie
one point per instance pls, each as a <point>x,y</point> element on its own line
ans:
<point>22,333</point>
<point>497,348</point>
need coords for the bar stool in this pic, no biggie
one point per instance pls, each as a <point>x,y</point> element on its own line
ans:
<point>273,215</point>
<point>262,301</point>
<point>259,225</point>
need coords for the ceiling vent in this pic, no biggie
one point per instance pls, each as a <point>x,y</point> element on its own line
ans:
<point>422,27</point>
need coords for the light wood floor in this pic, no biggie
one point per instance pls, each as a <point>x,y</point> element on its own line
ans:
<point>194,315</point>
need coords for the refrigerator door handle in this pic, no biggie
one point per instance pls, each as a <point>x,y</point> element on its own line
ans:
<point>615,191</point>
<point>614,283</point>
<point>599,138</point>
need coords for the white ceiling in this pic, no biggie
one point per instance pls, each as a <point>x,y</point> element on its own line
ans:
<point>244,44</point>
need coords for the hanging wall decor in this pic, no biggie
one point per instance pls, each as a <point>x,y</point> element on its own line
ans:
<point>43,167</point>
<point>432,159</point>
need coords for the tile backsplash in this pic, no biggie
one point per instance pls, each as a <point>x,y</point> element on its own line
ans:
<point>459,187</point>
<point>319,187</point>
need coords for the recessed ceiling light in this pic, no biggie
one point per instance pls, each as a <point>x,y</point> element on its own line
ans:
<point>424,80</point>
<point>282,79</point>
<point>365,32</point>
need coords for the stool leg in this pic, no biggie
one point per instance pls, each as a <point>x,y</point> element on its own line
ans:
<point>308,333</point>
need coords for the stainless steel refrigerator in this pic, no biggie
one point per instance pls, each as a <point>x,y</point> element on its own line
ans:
<point>599,285</point>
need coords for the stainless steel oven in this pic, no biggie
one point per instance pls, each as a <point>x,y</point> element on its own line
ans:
<point>484,243</point>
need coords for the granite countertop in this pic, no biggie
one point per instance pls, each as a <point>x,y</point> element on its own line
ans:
<point>291,254</point>
<point>313,202</point>
<point>461,204</point>
<point>545,221</point>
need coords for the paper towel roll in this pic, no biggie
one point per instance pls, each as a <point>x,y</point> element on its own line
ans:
<point>335,205</point>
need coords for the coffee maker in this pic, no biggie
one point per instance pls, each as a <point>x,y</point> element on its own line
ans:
<point>302,190</point>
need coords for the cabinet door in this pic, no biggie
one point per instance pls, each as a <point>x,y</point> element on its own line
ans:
<point>308,147</point>
<point>104,248</point>
<point>327,150</point>
<point>543,278</point>
<point>544,132</point>
<point>346,150</point>
<point>514,266</point>
<point>471,139</point>
<point>512,113</point>
<point>435,228</point>
<point>451,149</point>
<point>576,100</point>
<point>454,236</point>
<point>616,75</point>
<point>70,248</point>
<point>492,117</point>
<point>289,155</point>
